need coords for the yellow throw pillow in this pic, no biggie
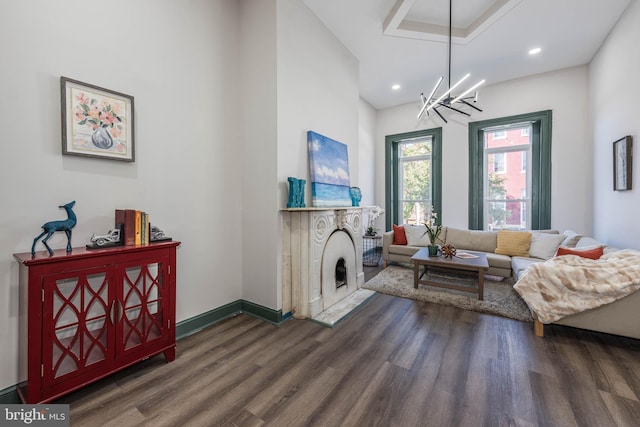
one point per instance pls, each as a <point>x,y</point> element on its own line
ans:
<point>513,243</point>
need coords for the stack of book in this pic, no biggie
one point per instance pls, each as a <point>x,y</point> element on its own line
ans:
<point>134,226</point>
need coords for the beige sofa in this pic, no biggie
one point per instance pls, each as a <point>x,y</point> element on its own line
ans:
<point>471,240</point>
<point>618,318</point>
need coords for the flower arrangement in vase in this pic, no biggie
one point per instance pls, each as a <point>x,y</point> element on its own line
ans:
<point>374,212</point>
<point>104,118</point>
<point>433,231</point>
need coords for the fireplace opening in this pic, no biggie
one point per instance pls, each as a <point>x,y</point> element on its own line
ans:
<point>341,273</point>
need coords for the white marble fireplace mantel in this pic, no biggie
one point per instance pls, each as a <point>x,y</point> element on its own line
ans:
<point>308,270</point>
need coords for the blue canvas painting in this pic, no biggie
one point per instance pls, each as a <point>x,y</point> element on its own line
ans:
<point>329,161</point>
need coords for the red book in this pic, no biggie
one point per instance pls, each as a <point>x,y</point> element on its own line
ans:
<point>130,227</point>
<point>127,219</point>
<point>119,218</point>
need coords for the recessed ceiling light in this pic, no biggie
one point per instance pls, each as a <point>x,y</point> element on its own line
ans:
<point>395,87</point>
<point>535,51</point>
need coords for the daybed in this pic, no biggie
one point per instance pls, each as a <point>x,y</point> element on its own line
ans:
<point>599,294</point>
<point>619,317</point>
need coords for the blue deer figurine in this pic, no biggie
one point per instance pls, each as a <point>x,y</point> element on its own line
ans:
<point>53,226</point>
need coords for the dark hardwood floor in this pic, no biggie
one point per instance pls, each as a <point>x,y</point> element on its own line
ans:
<point>394,362</point>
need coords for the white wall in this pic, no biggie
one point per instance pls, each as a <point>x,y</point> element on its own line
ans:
<point>317,90</point>
<point>180,63</point>
<point>564,92</point>
<point>367,150</point>
<point>260,184</point>
<point>614,91</point>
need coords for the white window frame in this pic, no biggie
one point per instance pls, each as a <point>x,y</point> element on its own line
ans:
<point>523,212</point>
<point>406,159</point>
<point>526,199</point>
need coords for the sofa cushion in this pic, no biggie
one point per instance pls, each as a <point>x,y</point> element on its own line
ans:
<point>399,235</point>
<point>585,242</point>
<point>520,264</point>
<point>593,253</point>
<point>571,238</point>
<point>590,242</point>
<point>473,240</point>
<point>416,235</point>
<point>499,261</point>
<point>544,246</point>
<point>514,243</point>
<point>403,250</point>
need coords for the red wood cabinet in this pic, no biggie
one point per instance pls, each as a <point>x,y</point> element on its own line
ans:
<point>89,313</point>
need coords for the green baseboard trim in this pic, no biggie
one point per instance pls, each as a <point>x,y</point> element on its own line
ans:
<point>262,312</point>
<point>197,323</point>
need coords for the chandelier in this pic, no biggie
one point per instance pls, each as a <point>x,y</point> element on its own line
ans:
<point>447,100</point>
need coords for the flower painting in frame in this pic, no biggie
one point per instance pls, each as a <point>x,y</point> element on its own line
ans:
<point>96,122</point>
<point>329,161</point>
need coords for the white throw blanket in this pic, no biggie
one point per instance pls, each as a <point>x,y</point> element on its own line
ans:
<point>571,284</point>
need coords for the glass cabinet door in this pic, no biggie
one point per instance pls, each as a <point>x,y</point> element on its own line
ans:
<point>142,319</point>
<point>76,325</point>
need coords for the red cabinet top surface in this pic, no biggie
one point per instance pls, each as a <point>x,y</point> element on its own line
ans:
<point>61,255</point>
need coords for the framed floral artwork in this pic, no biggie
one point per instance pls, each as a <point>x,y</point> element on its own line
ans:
<point>96,122</point>
<point>622,161</point>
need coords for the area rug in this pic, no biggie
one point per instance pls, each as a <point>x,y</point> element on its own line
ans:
<point>499,297</point>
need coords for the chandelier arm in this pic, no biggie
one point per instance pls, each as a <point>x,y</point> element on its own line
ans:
<point>435,88</point>
<point>455,109</point>
<point>471,89</point>
<point>422,110</point>
<point>425,101</point>
<point>441,116</point>
<point>470,105</point>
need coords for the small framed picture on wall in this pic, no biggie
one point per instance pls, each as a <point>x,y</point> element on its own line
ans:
<point>96,122</point>
<point>622,163</point>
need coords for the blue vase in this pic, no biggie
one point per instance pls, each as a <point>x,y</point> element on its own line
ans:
<point>356,196</point>
<point>296,193</point>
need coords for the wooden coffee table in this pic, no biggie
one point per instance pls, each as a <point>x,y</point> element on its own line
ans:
<point>473,266</point>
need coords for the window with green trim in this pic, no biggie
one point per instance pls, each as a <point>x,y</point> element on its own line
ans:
<point>510,178</point>
<point>413,176</point>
